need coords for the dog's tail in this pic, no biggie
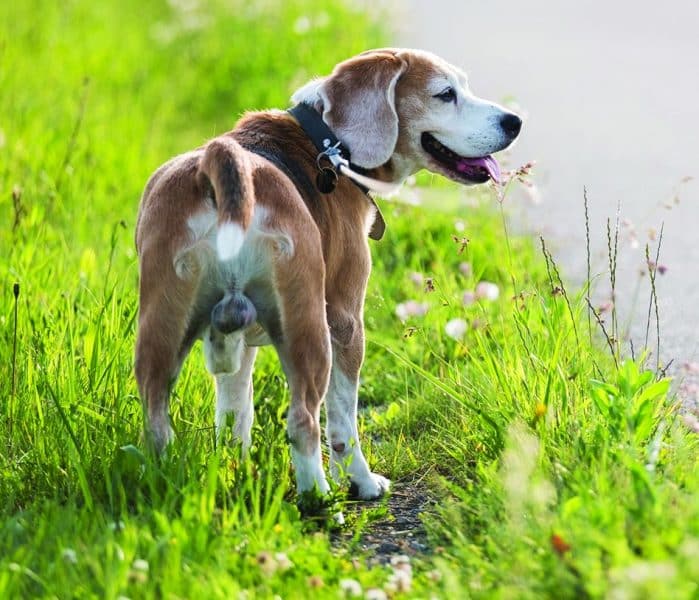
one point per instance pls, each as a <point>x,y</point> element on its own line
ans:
<point>224,170</point>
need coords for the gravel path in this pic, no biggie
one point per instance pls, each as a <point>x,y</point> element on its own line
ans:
<point>400,532</point>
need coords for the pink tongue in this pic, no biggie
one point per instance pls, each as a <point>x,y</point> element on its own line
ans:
<point>487,162</point>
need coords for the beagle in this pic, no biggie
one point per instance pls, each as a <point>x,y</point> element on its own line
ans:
<point>238,246</point>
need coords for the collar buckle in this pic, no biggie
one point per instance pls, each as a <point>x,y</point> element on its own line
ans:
<point>333,153</point>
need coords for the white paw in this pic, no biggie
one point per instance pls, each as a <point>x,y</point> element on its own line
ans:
<point>159,438</point>
<point>370,488</point>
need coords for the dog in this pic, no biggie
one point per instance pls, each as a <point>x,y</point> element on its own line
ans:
<point>260,237</point>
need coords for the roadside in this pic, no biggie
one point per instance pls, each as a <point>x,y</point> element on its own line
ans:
<point>609,93</point>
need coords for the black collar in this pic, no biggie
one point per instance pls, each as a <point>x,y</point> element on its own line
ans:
<point>326,143</point>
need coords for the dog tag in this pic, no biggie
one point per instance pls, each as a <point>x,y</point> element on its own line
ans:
<point>378,227</point>
<point>326,180</point>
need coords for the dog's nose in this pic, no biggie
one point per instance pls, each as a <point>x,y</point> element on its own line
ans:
<point>511,124</point>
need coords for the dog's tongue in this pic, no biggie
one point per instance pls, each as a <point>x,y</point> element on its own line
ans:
<point>486,162</point>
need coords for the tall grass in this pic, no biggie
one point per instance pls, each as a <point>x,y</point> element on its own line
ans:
<point>95,96</point>
<point>559,474</point>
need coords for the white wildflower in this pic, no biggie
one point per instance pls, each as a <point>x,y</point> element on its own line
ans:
<point>283,561</point>
<point>400,581</point>
<point>350,587</point>
<point>302,25</point>
<point>69,555</point>
<point>401,561</point>
<point>141,565</point>
<point>456,328</point>
<point>402,578</point>
<point>139,571</point>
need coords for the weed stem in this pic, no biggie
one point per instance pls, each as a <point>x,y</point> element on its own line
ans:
<point>15,292</point>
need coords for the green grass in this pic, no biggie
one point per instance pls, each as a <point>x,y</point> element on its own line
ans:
<point>553,473</point>
<point>579,488</point>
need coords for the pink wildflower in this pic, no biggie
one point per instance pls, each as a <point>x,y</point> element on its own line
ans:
<point>411,308</point>
<point>468,298</point>
<point>465,268</point>
<point>416,278</point>
<point>487,290</point>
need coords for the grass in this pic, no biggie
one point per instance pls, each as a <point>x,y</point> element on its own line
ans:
<point>553,472</point>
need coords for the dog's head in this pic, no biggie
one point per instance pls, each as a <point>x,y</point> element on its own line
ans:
<point>414,109</point>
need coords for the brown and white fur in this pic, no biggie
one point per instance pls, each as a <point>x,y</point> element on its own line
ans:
<point>239,252</point>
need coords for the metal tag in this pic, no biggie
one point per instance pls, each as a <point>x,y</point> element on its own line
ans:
<point>326,180</point>
<point>378,227</point>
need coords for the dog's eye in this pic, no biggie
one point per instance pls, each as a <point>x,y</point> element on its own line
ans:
<point>448,95</point>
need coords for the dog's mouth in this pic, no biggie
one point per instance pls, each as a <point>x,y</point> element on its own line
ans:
<point>457,167</point>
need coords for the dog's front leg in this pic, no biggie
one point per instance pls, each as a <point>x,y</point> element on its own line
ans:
<point>342,433</point>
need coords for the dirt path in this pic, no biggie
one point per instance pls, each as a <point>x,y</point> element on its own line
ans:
<point>400,532</point>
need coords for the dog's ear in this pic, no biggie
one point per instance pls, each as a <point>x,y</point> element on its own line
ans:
<point>358,102</point>
<point>359,105</point>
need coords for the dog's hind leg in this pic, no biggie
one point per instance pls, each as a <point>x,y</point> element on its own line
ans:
<point>341,403</point>
<point>306,361</point>
<point>161,348</point>
<point>305,354</point>
<point>231,363</point>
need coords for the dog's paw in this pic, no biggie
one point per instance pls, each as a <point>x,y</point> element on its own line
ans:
<point>157,439</point>
<point>370,488</point>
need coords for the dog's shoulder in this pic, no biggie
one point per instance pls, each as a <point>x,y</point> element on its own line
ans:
<point>284,156</point>
<point>273,131</point>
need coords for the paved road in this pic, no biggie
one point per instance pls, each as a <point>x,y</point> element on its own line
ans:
<point>611,95</point>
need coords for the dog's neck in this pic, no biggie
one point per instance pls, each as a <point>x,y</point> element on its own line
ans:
<point>277,136</point>
<point>276,120</point>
